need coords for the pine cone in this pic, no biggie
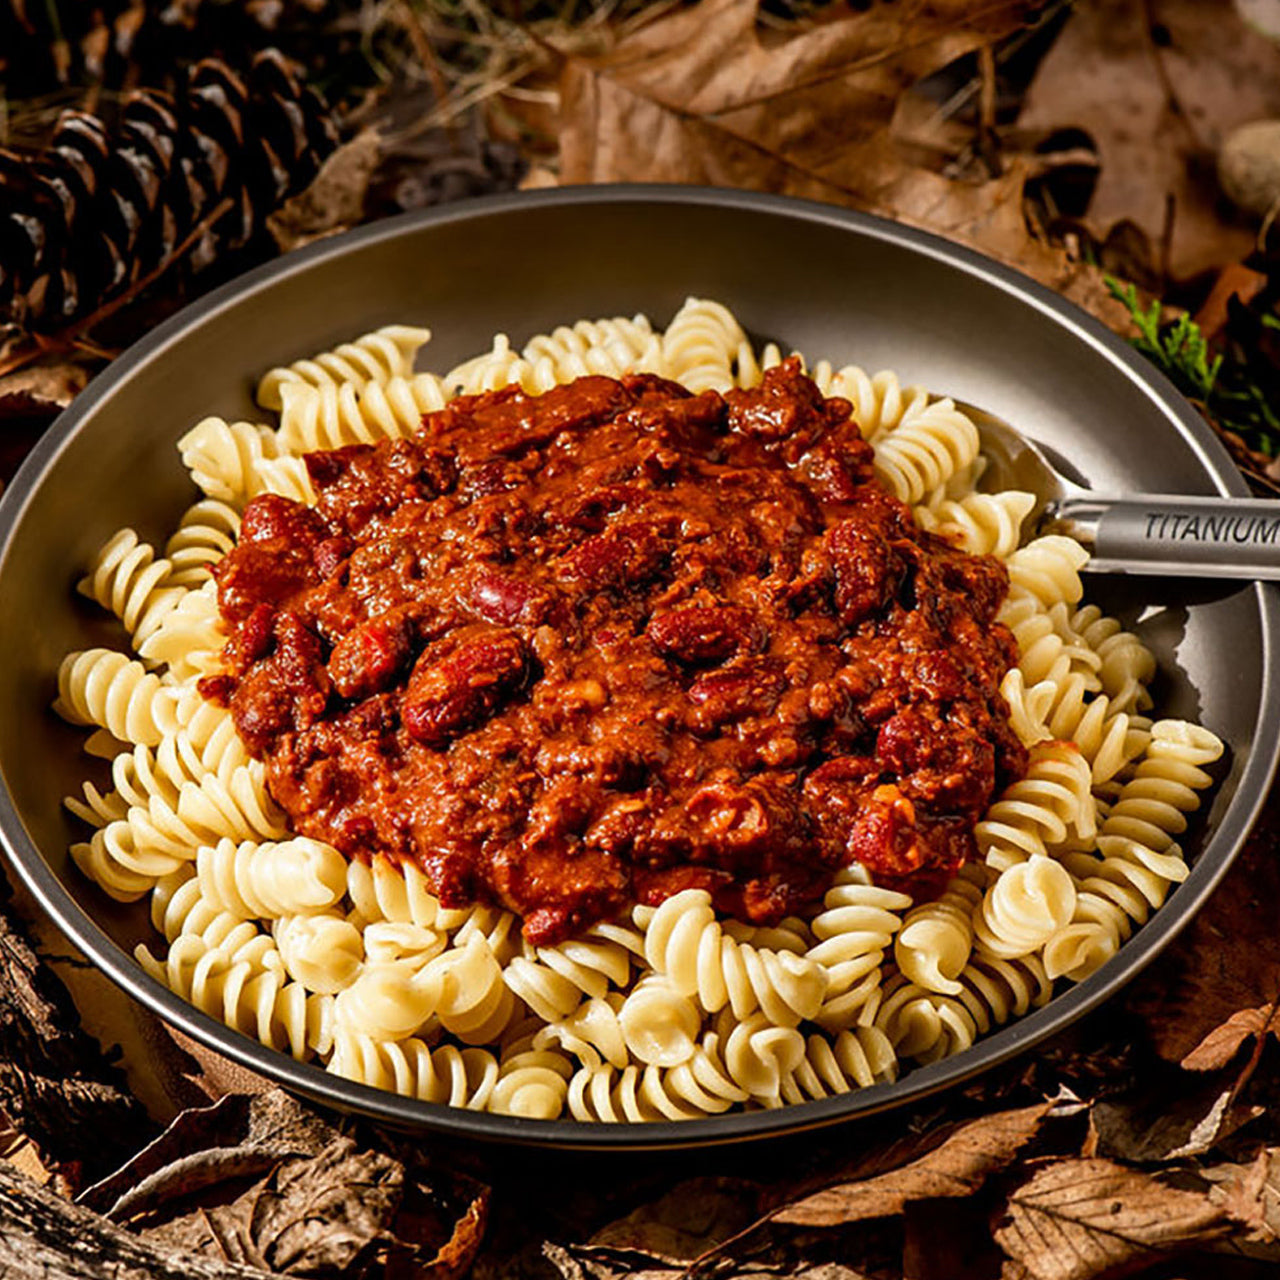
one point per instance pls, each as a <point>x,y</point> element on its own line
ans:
<point>100,209</point>
<point>43,45</point>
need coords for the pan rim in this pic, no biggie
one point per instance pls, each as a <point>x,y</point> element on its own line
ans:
<point>920,1082</point>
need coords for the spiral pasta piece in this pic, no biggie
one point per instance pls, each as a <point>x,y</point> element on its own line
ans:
<point>592,1033</point>
<point>1048,569</point>
<point>1108,739</point>
<point>104,688</point>
<point>256,1001</point>
<point>659,1025</point>
<point>983,524</point>
<point>225,458</point>
<point>378,356</point>
<point>555,980</point>
<point>476,1005</point>
<point>923,1025</point>
<point>288,477</point>
<point>273,878</point>
<point>128,578</point>
<point>631,1094</point>
<point>994,991</point>
<point>936,938</point>
<point>685,941</point>
<point>1138,859</point>
<point>880,402</point>
<point>1127,665</point>
<point>855,1058</point>
<point>447,1075</point>
<point>534,1083</point>
<point>116,879</point>
<point>700,345</point>
<point>97,808</point>
<point>399,942</point>
<point>853,931</point>
<point>206,532</point>
<point>499,928</point>
<point>189,638</point>
<point>156,839</point>
<point>760,1056</point>
<point>924,450</point>
<point>389,1001</point>
<point>1025,906</point>
<point>382,889</point>
<point>323,952</point>
<point>1048,648</point>
<point>1040,811</point>
<point>501,366</point>
<point>179,909</point>
<point>335,415</point>
<point>611,347</point>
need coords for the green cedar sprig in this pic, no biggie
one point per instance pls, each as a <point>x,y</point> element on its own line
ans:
<point>1232,386</point>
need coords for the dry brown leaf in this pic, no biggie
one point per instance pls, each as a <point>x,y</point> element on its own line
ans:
<point>335,199</point>
<point>318,1216</point>
<point>1250,1193</point>
<point>1222,1043</point>
<point>41,389</point>
<point>1159,1122</point>
<point>955,1168</point>
<point>703,96</point>
<point>690,1219</point>
<point>1220,984</point>
<point>455,1255</point>
<point>267,1182</point>
<point>1158,94</point>
<point>1075,1219</point>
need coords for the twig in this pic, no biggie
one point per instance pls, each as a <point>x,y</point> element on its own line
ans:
<point>987,90</point>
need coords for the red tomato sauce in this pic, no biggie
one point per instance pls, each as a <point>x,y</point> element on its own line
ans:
<point>576,650</point>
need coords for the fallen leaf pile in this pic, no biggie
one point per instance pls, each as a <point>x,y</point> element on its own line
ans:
<point>1158,89</point>
<point>703,96</point>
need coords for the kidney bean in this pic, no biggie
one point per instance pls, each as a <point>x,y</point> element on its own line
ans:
<point>866,572</point>
<point>367,658</point>
<point>748,687</point>
<point>460,680</point>
<point>271,516</point>
<point>623,555</point>
<point>330,554</point>
<point>707,633</point>
<point>505,599</point>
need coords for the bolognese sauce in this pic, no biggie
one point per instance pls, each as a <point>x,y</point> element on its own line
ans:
<point>595,646</point>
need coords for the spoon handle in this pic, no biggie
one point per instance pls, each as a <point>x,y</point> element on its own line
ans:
<point>1180,536</point>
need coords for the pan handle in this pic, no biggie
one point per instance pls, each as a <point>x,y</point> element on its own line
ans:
<point>1175,535</point>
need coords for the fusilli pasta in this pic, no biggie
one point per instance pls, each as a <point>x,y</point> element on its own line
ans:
<point>671,1012</point>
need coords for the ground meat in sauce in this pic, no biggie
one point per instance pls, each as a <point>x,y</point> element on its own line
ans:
<point>596,646</point>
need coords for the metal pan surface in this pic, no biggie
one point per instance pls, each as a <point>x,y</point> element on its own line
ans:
<point>827,282</point>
